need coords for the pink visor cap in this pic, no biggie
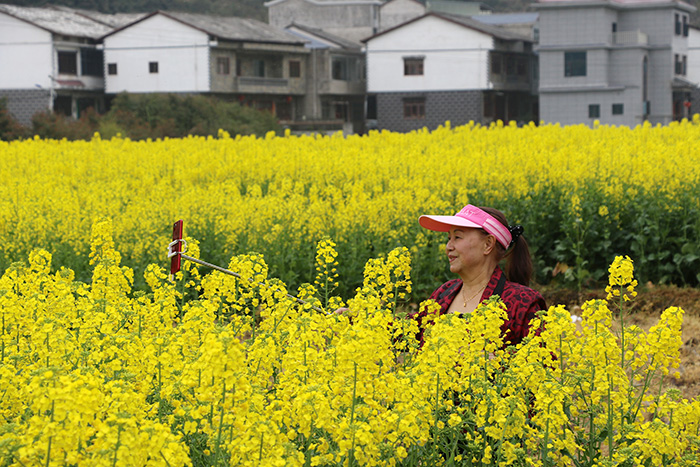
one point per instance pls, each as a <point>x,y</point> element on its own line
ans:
<point>469,216</point>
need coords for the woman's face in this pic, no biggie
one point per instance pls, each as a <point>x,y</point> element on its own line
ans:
<point>466,248</point>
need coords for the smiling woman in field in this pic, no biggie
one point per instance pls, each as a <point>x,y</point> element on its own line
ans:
<point>478,239</point>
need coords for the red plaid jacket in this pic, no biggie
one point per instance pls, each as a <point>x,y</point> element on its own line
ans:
<point>521,302</point>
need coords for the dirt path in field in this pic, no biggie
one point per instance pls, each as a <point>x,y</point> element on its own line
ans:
<point>644,312</point>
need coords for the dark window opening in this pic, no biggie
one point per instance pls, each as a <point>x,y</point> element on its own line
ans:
<point>294,69</point>
<point>91,62</point>
<point>684,65</point>
<point>153,67</point>
<point>618,109</point>
<point>339,69</point>
<point>63,105</point>
<point>68,63</point>
<point>223,65</point>
<point>259,68</point>
<point>414,108</point>
<point>111,68</point>
<point>510,66</point>
<point>574,63</point>
<point>371,107</point>
<point>496,64</point>
<point>412,66</point>
<point>489,105</point>
<point>594,111</point>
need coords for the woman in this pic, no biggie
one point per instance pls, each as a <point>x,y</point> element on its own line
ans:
<point>478,239</point>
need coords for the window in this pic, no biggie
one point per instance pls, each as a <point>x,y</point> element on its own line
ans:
<point>111,68</point>
<point>339,68</point>
<point>680,64</point>
<point>618,109</point>
<point>414,108</point>
<point>522,67</point>
<point>488,105</point>
<point>294,69</point>
<point>63,105</point>
<point>574,63</point>
<point>413,66</point>
<point>223,65</point>
<point>594,111</point>
<point>684,65</point>
<point>68,63</point>
<point>91,62</point>
<point>685,26</point>
<point>496,64</point>
<point>153,67</point>
<point>259,68</point>
<point>678,25</point>
<point>614,27</point>
<point>510,65</point>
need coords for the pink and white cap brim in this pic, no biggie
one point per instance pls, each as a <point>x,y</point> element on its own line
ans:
<point>469,216</point>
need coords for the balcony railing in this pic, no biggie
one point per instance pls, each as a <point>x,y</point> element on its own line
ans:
<point>629,38</point>
<point>256,81</point>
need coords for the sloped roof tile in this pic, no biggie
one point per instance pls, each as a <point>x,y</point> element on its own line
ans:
<point>66,23</point>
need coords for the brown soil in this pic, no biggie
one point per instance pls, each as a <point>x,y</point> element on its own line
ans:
<point>644,312</point>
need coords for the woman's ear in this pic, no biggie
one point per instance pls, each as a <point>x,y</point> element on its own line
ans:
<point>489,244</point>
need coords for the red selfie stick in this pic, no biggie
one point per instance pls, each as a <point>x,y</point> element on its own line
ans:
<point>176,249</point>
<point>176,255</point>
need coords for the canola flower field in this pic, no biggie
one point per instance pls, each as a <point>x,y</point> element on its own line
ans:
<point>583,195</point>
<point>104,361</point>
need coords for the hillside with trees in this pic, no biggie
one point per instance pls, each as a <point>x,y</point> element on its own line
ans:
<point>244,8</point>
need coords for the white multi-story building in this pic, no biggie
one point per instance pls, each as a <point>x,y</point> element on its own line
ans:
<point>50,60</point>
<point>233,58</point>
<point>445,67</point>
<point>616,61</point>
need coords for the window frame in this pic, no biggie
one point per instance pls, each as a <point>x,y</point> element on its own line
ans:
<point>340,69</point>
<point>112,69</point>
<point>295,68</point>
<point>593,110</point>
<point>223,65</point>
<point>413,66</point>
<point>153,68</point>
<point>618,109</point>
<point>496,64</point>
<point>413,108</point>
<point>259,68</point>
<point>62,56</point>
<point>575,63</point>
<point>91,62</point>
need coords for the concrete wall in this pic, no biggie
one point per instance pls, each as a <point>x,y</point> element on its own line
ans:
<point>660,91</point>
<point>26,55</point>
<point>395,12</point>
<point>572,108</point>
<point>455,57</point>
<point>575,26</point>
<point>182,53</point>
<point>354,21</point>
<point>24,103</point>
<point>459,107</point>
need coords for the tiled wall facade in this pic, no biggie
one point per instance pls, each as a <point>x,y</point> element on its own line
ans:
<point>24,103</point>
<point>459,107</point>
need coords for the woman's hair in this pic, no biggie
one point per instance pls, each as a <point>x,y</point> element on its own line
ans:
<point>518,260</point>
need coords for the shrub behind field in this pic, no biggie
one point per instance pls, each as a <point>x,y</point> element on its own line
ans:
<point>144,116</point>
